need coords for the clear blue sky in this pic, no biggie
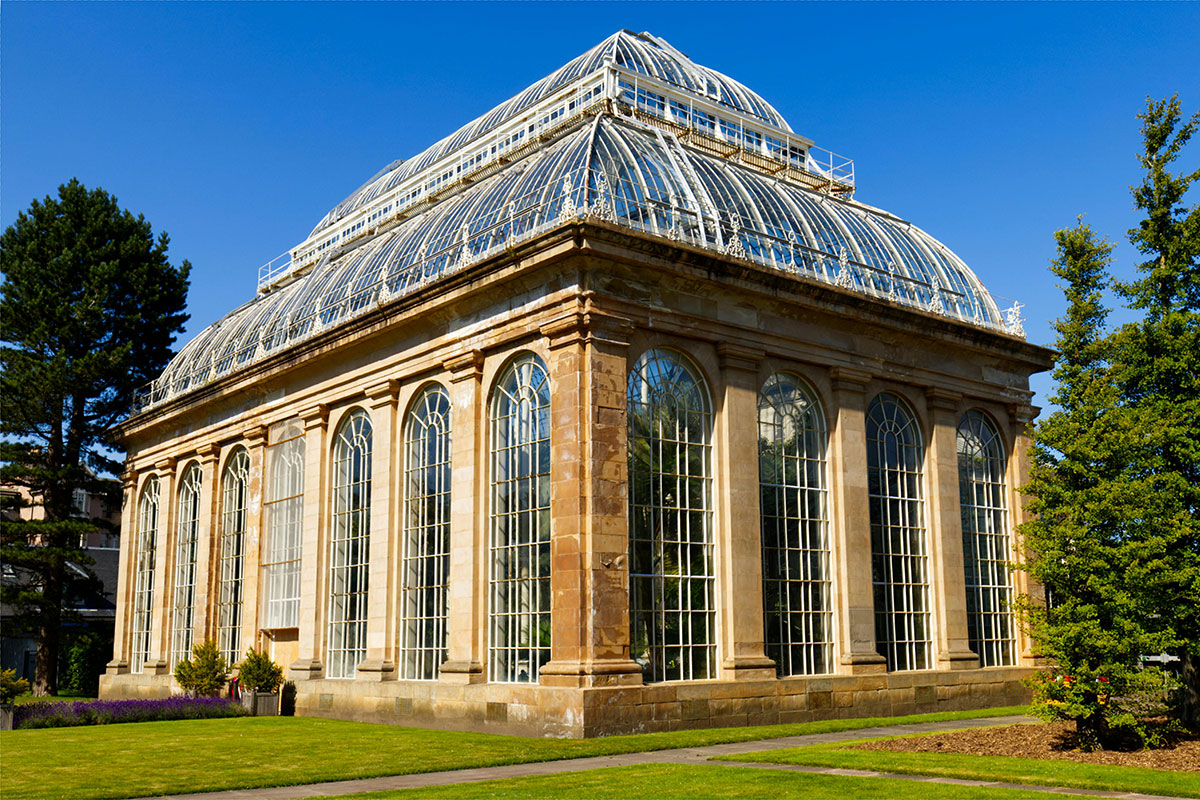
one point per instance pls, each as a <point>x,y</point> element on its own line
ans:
<point>236,126</point>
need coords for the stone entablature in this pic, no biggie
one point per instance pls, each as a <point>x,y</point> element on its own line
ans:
<point>589,299</point>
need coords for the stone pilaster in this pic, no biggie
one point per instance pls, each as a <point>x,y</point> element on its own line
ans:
<point>314,550</point>
<point>589,575</point>
<point>208,544</point>
<point>851,527</point>
<point>382,589</point>
<point>947,578</point>
<point>466,635</point>
<point>119,665</point>
<point>255,439</point>
<point>738,522</point>
<point>158,661</point>
<point>1021,417</point>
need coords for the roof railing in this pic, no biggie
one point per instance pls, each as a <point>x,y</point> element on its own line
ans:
<point>751,137</point>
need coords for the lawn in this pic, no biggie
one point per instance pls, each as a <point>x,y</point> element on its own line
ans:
<point>671,781</point>
<point>992,768</point>
<point>150,758</point>
<point>58,698</point>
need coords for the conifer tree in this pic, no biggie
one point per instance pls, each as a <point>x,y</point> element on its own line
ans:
<point>1091,629</point>
<point>88,313</point>
<point>1158,366</point>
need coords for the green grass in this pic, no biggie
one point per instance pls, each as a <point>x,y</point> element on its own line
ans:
<point>148,758</point>
<point>58,698</point>
<point>992,768</point>
<point>663,781</point>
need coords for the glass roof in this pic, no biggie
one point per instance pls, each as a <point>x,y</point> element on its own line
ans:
<point>619,170</point>
<point>642,53</point>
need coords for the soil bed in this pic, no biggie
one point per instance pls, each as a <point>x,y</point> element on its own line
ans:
<point>1044,740</point>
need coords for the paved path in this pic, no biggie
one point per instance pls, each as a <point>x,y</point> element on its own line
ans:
<point>687,756</point>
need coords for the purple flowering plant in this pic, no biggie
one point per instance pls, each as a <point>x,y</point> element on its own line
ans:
<point>106,712</point>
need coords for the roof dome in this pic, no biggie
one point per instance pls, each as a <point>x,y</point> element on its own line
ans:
<point>611,162</point>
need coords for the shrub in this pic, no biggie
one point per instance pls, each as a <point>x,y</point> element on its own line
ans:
<point>106,712</point>
<point>258,673</point>
<point>85,659</point>
<point>11,686</point>
<point>205,673</point>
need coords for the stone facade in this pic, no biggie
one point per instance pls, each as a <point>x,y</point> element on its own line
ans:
<point>588,298</point>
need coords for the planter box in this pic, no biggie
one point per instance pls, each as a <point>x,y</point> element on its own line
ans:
<point>261,704</point>
<point>6,717</point>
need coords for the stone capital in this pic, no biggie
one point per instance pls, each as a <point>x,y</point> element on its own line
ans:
<point>1023,413</point>
<point>464,366</point>
<point>208,453</point>
<point>315,417</point>
<point>565,330</point>
<point>383,394</point>
<point>166,465</point>
<point>255,435</point>
<point>737,357</point>
<point>848,379</point>
<point>942,399</point>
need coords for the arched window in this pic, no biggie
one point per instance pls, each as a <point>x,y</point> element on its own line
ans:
<point>349,545</point>
<point>187,535</point>
<point>520,563</point>
<point>284,509</point>
<point>798,616</point>
<point>986,547</point>
<point>143,583</point>
<point>235,491</point>
<point>899,544</point>
<point>425,560</point>
<point>672,611</point>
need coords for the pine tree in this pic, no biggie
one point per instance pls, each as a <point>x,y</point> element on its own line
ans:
<point>1091,630</point>
<point>1158,367</point>
<point>89,311</point>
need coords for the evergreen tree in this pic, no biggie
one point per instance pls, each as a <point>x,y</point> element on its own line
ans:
<point>89,311</point>
<point>1092,629</point>
<point>1158,366</point>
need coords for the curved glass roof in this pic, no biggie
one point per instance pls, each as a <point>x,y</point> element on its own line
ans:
<point>619,170</point>
<point>642,53</point>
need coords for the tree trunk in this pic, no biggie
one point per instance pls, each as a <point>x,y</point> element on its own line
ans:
<point>1189,689</point>
<point>45,670</point>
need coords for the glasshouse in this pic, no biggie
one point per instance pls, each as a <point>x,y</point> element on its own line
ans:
<point>481,451</point>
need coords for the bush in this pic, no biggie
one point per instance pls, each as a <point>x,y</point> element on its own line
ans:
<point>205,673</point>
<point>106,712</point>
<point>11,686</point>
<point>1131,705</point>
<point>258,673</point>
<point>85,660</point>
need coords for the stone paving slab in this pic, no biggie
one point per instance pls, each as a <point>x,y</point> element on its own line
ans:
<point>687,756</point>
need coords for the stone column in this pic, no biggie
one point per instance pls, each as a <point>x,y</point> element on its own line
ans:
<point>158,661</point>
<point>126,565</point>
<point>466,635</point>
<point>380,661</point>
<point>952,646</point>
<point>208,548</point>
<point>1021,417</point>
<point>589,575</point>
<point>255,439</point>
<point>314,550</point>
<point>851,527</point>
<point>738,523</point>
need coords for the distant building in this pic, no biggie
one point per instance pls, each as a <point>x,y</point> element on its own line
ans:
<point>97,611</point>
<point>612,411</point>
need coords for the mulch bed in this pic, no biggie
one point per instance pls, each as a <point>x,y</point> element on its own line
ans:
<point>1044,740</point>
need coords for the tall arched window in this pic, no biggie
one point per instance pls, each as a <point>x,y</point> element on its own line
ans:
<point>798,616</point>
<point>284,509</point>
<point>672,612</point>
<point>520,563</point>
<point>425,560</point>
<point>986,547</point>
<point>187,535</point>
<point>899,544</point>
<point>143,582</point>
<point>235,491</point>
<point>349,545</point>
